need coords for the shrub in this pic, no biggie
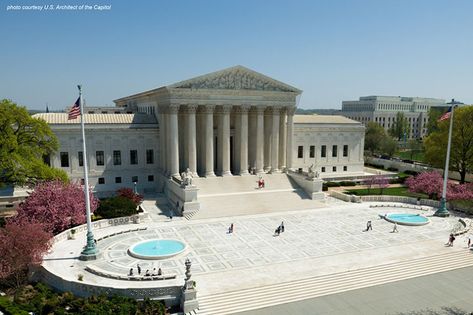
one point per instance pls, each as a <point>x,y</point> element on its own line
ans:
<point>332,184</point>
<point>393,169</point>
<point>409,172</point>
<point>9,308</point>
<point>42,300</point>
<point>130,194</point>
<point>116,207</point>
<point>347,183</point>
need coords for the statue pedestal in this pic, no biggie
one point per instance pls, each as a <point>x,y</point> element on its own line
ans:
<point>189,300</point>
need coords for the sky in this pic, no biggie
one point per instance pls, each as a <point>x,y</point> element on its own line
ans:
<point>333,50</point>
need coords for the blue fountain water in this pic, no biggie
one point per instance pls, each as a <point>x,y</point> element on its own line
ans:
<point>156,249</point>
<point>407,218</point>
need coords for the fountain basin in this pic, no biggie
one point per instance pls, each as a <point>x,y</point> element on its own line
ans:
<point>156,249</point>
<point>407,219</point>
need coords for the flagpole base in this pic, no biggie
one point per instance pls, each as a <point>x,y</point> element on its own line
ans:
<point>90,251</point>
<point>442,210</point>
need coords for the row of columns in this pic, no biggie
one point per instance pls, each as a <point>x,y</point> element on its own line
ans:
<point>271,150</point>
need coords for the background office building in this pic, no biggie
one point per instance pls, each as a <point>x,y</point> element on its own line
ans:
<point>383,110</point>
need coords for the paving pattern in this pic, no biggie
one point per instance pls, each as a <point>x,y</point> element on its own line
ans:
<point>308,234</point>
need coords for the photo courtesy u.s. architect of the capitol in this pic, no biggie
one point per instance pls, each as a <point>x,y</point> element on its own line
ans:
<point>179,138</point>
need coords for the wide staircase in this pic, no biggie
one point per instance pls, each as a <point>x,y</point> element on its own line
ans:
<point>239,195</point>
<point>292,291</point>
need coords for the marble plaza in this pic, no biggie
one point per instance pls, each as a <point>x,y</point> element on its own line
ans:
<point>315,242</point>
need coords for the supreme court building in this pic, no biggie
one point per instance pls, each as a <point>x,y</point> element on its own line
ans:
<point>222,123</point>
<point>230,122</point>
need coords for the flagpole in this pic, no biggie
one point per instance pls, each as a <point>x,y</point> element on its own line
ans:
<point>442,211</point>
<point>90,251</point>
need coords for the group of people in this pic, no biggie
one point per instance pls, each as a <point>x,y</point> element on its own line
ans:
<point>280,229</point>
<point>148,273</point>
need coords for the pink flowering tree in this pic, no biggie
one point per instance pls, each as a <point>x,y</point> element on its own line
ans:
<point>431,183</point>
<point>379,181</point>
<point>56,205</point>
<point>21,246</point>
<point>130,194</point>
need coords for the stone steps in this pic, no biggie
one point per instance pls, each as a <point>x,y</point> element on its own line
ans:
<point>260,297</point>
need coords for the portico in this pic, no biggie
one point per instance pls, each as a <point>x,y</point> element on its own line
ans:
<point>222,124</point>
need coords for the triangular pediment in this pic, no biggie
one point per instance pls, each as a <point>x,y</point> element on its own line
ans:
<point>235,78</point>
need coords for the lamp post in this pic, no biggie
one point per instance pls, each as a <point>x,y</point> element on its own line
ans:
<point>442,210</point>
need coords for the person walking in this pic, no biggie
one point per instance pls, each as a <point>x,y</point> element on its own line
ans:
<point>368,226</point>
<point>231,228</point>
<point>282,226</point>
<point>451,238</point>
<point>395,228</point>
<point>131,272</point>
<point>469,241</point>
<point>139,268</point>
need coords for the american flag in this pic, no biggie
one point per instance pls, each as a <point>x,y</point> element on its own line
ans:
<point>74,112</point>
<point>446,115</point>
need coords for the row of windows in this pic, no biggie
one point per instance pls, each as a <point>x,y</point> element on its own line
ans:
<point>323,151</point>
<point>100,157</point>
<point>334,169</point>
<point>118,180</point>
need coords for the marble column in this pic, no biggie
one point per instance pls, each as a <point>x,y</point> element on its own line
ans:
<point>268,127</point>
<point>275,139</point>
<point>259,147</point>
<point>224,140</point>
<point>209,140</point>
<point>162,142</point>
<point>174,140</point>
<point>282,140</point>
<point>241,139</point>
<point>191,139</point>
<point>289,142</point>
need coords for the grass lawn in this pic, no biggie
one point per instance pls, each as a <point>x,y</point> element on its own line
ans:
<point>406,155</point>
<point>393,191</point>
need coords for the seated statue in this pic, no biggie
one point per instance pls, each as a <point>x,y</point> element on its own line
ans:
<point>310,172</point>
<point>186,178</point>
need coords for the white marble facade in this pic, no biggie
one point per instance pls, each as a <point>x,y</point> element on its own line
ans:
<point>224,123</point>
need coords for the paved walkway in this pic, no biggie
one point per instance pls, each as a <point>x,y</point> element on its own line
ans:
<point>316,242</point>
<point>446,293</point>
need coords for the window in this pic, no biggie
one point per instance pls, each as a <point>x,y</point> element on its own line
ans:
<point>117,158</point>
<point>101,180</point>
<point>150,178</point>
<point>82,182</point>
<point>99,157</point>
<point>312,151</point>
<point>64,159</point>
<point>118,180</point>
<point>149,157</point>
<point>323,169</point>
<point>334,168</point>
<point>334,151</point>
<point>345,168</point>
<point>345,150</point>
<point>300,152</point>
<point>133,157</point>
<point>134,179</point>
<point>323,151</point>
<point>80,155</point>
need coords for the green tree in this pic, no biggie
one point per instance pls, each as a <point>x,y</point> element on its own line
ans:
<point>432,123</point>
<point>400,126</point>
<point>461,154</point>
<point>389,146</point>
<point>374,136</point>
<point>413,146</point>
<point>24,141</point>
